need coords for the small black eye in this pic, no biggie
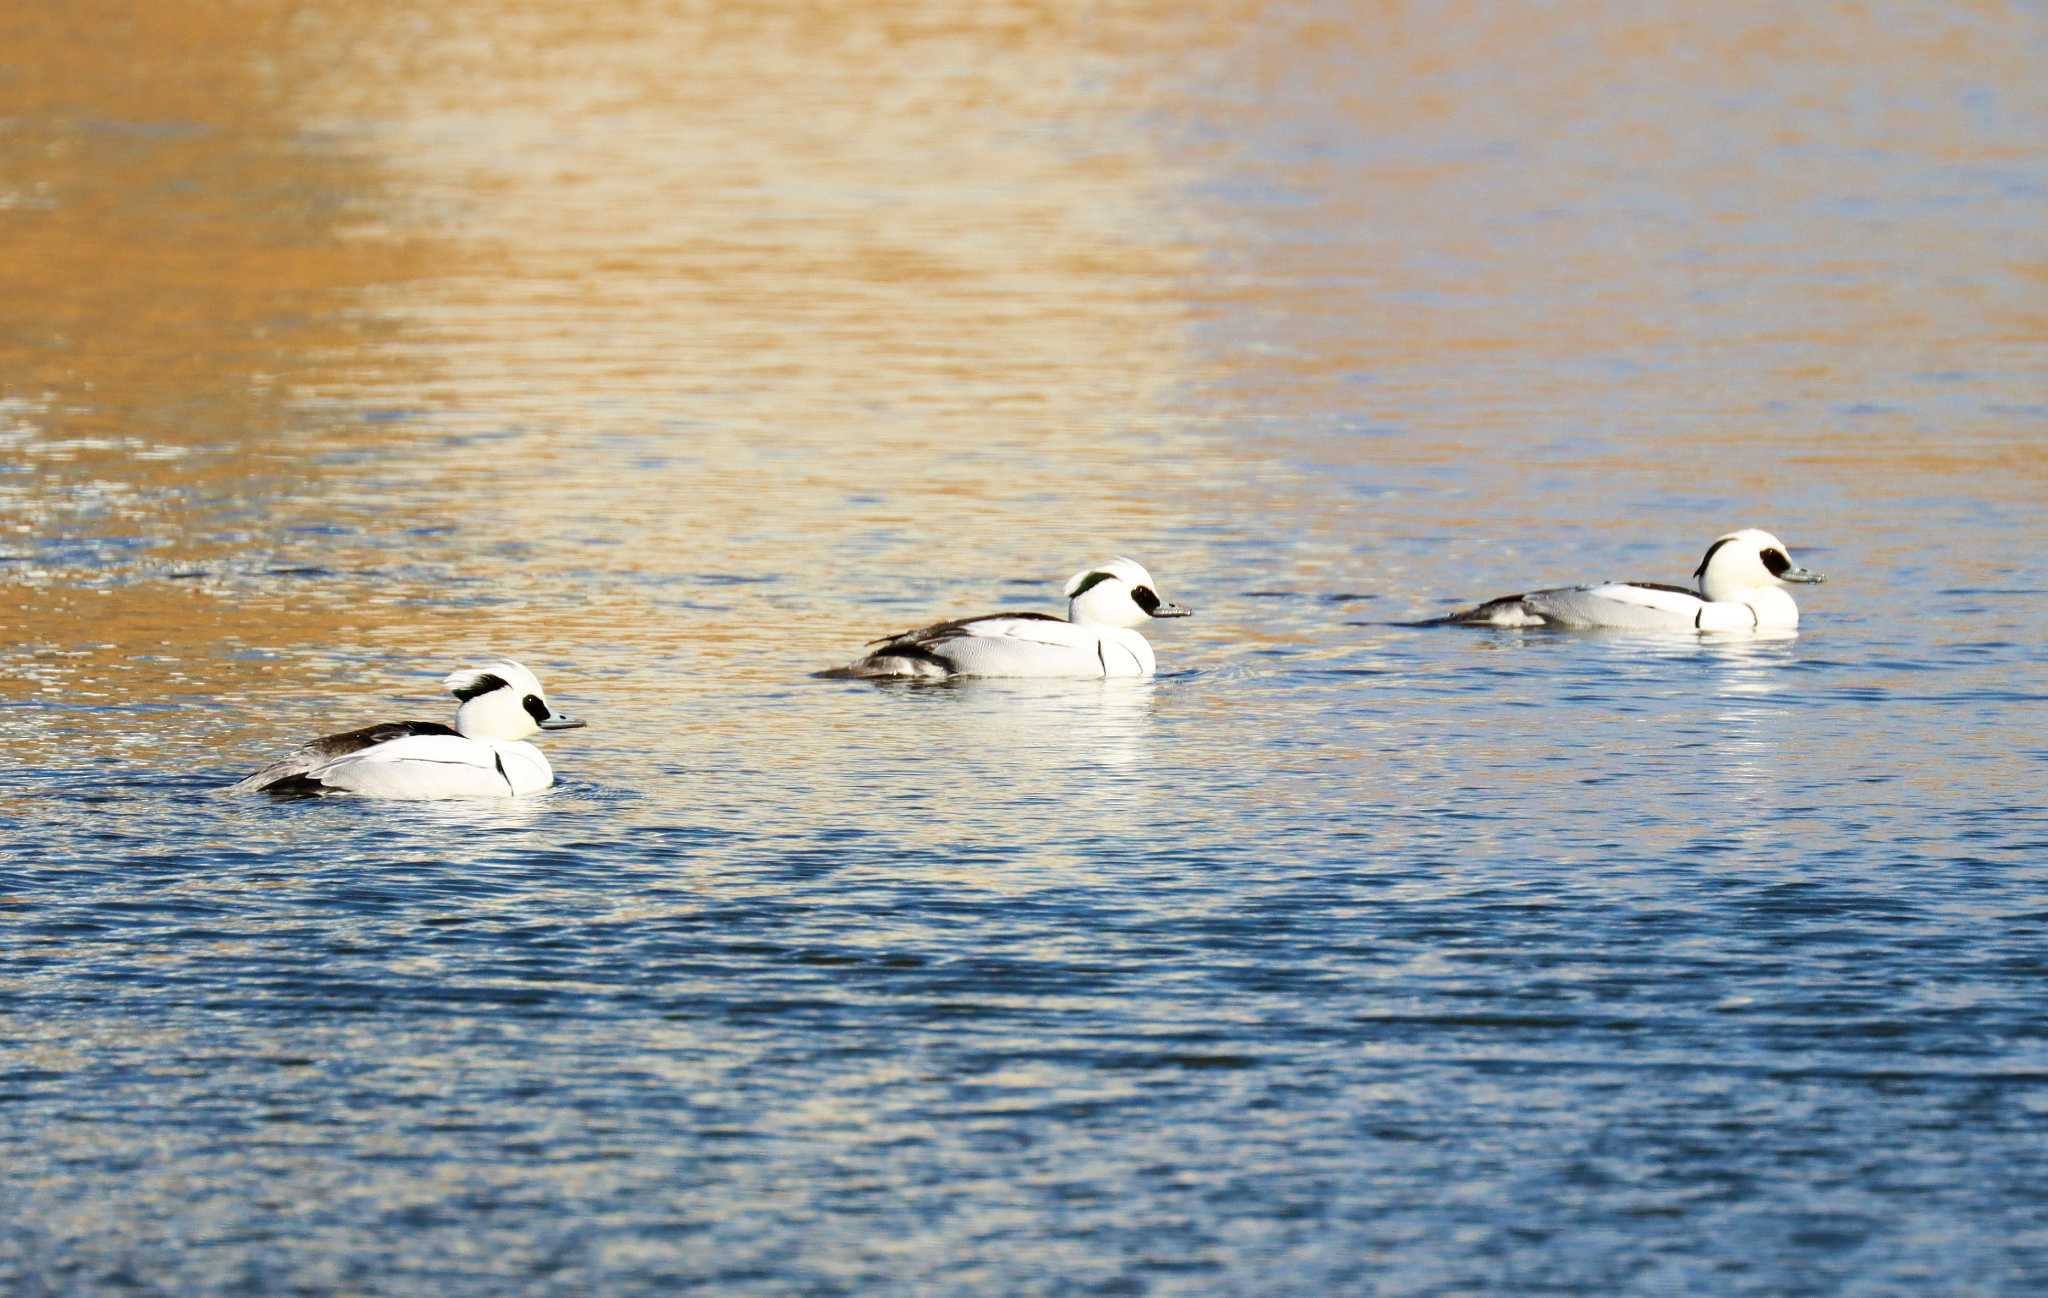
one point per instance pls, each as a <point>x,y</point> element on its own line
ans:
<point>535,708</point>
<point>1143,597</point>
<point>1777,561</point>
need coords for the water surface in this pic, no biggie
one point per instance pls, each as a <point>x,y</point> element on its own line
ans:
<point>678,352</point>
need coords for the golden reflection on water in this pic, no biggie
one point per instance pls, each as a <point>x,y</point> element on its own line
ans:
<point>789,290</point>
<point>601,300</point>
<point>174,272</point>
<point>786,253</point>
<point>676,347</point>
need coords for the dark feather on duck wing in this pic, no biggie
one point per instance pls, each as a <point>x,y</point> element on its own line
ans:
<point>937,631</point>
<point>1661,585</point>
<point>288,774</point>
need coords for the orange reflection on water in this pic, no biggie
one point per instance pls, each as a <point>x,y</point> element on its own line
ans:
<point>519,322</point>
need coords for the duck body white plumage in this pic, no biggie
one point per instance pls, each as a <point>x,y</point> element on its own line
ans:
<point>1095,640</point>
<point>407,759</point>
<point>1016,645</point>
<point>1741,587</point>
<point>484,755</point>
<point>1627,606</point>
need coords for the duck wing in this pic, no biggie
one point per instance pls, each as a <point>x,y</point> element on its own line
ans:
<point>286,775</point>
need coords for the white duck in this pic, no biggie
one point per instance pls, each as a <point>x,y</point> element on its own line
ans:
<point>1741,587</point>
<point>1103,604</point>
<point>483,755</point>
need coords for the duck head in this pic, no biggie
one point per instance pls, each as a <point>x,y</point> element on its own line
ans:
<point>503,700</point>
<point>1745,561</point>
<point>1118,593</point>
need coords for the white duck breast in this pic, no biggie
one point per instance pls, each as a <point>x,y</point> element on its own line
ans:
<point>482,756</point>
<point>1741,587</point>
<point>1096,639</point>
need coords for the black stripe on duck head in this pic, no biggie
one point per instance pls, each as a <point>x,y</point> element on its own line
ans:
<point>481,683</point>
<point>1090,582</point>
<point>1708,558</point>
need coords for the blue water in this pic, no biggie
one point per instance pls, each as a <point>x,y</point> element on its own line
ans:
<point>1344,956</point>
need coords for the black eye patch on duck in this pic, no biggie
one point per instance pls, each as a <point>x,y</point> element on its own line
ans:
<point>483,684</point>
<point>535,708</point>
<point>1777,561</point>
<point>1143,597</point>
